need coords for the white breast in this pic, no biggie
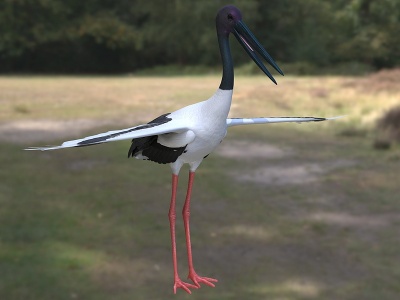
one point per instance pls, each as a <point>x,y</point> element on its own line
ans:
<point>207,123</point>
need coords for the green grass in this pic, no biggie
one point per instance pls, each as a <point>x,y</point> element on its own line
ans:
<point>90,224</point>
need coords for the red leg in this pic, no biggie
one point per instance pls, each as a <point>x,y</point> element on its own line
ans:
<point>186,216</point>
<point>178,283</point>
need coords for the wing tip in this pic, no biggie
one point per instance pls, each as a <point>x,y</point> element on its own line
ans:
<point>42,148</point>
<point>335,118</point>
<point>31,149</point>
<point>35,148</point>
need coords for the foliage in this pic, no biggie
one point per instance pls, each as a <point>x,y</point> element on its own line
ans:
<point>122,35</point>
<point>388,128</point>
<point>370,31</point>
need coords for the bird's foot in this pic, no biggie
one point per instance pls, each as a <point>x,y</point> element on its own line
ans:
<point>179,284</point>
<point>199,279</point>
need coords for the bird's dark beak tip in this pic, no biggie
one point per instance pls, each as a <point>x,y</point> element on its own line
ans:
<point>250,43</point>
<point>276,67</point>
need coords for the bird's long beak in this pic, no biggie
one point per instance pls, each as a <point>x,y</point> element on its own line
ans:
<point>250,43</point>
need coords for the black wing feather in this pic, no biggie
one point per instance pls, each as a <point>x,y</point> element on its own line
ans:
<point>151,149</point>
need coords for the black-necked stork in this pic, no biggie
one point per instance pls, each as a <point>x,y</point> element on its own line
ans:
<point>190,134</point>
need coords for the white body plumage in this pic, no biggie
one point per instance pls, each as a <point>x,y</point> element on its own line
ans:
<point>206,124</point>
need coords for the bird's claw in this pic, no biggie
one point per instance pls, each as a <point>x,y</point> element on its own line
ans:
<point>199,279</point>
<point>179,284</point>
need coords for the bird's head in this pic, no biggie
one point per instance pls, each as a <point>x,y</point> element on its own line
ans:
<point>226,19</point>
<point>229,20</point>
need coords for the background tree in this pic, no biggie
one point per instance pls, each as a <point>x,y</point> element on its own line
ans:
<point>120,35</point>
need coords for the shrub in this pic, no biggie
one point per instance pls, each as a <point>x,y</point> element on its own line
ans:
<point>388,129</point>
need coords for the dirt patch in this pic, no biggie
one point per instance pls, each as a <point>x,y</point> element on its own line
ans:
<point>27,132</point>
<point>249,150</point>
<point>295,174</point>
<point>279,175</point>
<point>117,275</point>
<point>88,164</point>
<point>279,172</point>
<point>350,220</point>
<point>245,231</point>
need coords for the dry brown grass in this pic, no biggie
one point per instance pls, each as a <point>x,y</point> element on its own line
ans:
<point>98,101</point>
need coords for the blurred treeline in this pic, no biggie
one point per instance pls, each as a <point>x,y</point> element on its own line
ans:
<point>104,36</point>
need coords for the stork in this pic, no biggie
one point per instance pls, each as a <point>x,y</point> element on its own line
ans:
<point>190,134</point>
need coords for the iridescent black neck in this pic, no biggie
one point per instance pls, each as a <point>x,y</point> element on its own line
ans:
<point>227,63</point>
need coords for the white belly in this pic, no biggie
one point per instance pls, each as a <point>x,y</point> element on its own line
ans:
<point>207,123</point>
<point>202,145</point>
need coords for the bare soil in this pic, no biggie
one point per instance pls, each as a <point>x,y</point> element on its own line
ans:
<point>38,131</point>
<point>274,170</point>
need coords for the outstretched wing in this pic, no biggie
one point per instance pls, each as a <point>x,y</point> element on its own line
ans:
<point>161,125</point>
<point>248,121</point>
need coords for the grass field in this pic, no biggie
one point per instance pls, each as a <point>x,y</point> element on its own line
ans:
<point>279,212</point>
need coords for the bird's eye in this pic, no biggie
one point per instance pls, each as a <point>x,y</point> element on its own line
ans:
<point>230,17</point>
